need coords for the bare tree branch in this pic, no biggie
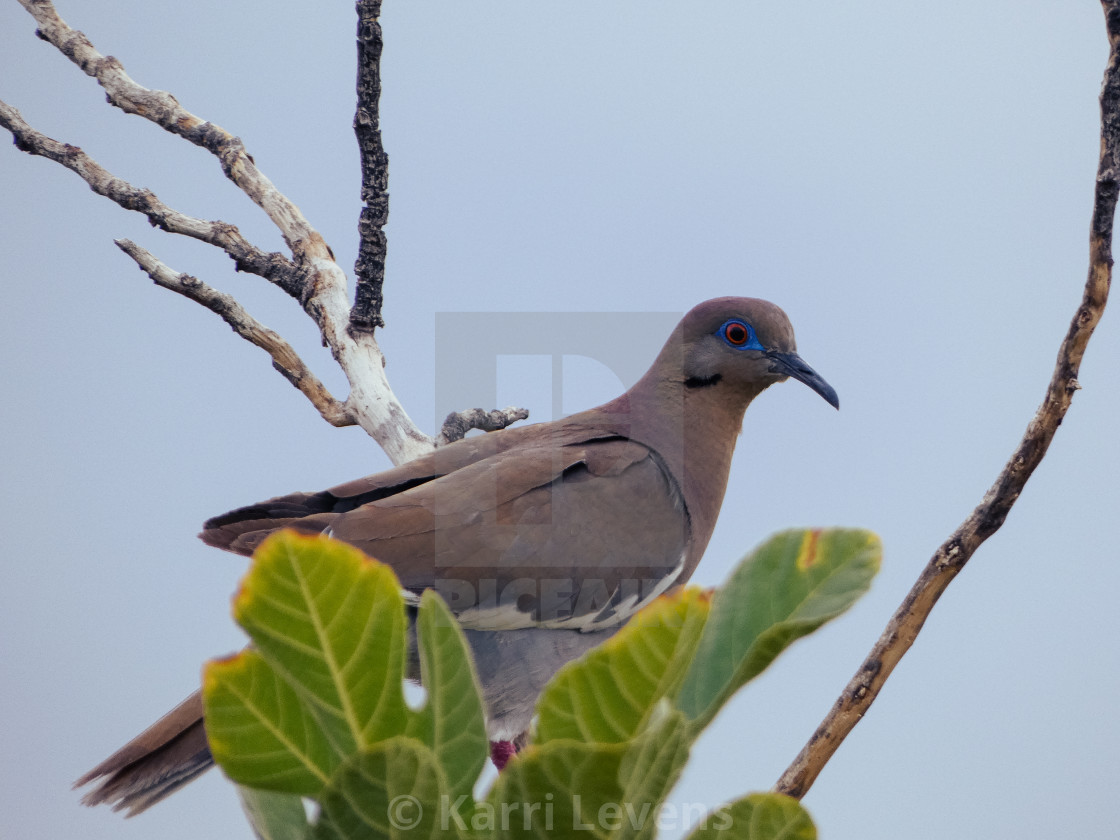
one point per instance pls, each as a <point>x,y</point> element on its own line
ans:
<point>318,282</point>
<point>369,269</point>
<point>986,519</point>
<point>458,423</point>
<point>164,110</point>
<point>284,358</point>
<point>247,257</point>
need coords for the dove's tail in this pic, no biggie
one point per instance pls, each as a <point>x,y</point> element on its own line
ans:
<point>154,764</point>
<point>242,530</point>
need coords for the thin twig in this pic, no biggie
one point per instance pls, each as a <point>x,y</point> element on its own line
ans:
<point>247,257</point>
<point>162,108</point>
<point>369,269</point>
<point>987,518</point>
<point>458,423</point>
<point>318,282</point>
<point>284,358</point>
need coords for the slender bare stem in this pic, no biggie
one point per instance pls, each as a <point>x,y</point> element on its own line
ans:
<point>369,269</point>
<point>986,519</point>
<point>165,111</point>
<point>246,257</point>
<point>284,358</point>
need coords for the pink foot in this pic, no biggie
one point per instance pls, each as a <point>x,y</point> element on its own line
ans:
<point>501,752</point>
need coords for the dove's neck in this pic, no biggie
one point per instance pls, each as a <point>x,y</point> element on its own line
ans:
<point>693,429</point>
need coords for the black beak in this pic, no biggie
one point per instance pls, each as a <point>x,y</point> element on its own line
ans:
<point>790,364</point>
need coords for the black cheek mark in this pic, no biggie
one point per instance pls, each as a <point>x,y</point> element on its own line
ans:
<point>702,382</point>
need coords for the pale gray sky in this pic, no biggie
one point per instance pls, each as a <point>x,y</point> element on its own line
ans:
<point>911,182</point>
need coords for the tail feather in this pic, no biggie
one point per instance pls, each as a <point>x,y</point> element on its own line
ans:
<point>154,764</point>
<point>242,530</point>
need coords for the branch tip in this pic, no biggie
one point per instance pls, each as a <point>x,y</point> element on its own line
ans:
<point>458,423</point>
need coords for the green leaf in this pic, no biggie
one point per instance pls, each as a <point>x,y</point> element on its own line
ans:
<point>274,816</point>
<point>316,706</point>
<point>331,622</point>
<point>607,695</point>
<point>760,816</point>
<point>452,722</point>
<point>395,789</point>
<point>260,732</point>
<point>788,587</point>
<point>324,679</point>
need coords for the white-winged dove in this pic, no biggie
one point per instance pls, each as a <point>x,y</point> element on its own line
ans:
<point>543,539</point>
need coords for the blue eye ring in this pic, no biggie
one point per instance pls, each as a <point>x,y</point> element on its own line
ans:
<point>739,335</point>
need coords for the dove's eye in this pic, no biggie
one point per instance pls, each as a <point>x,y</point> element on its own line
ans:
<point>740,335</point>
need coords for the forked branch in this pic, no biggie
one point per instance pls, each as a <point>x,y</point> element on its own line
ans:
<point>310,274</point>
<point>986,519</point>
